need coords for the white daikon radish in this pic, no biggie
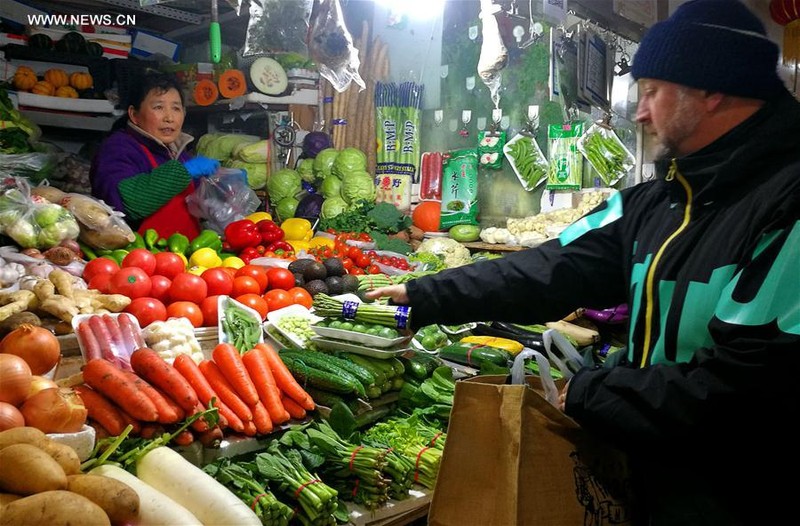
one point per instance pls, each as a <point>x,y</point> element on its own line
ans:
<point>211,502</point>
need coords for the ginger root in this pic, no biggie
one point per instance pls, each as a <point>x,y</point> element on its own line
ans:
<point>61,307</point>
<point>16,302</point>
<point>44,289</point>
<point>63,282</point>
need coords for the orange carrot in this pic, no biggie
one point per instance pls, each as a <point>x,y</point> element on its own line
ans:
<point>211,438</point>
<point>101,410</point>
<point>200,425</point>
<point>166,411</point>
<point>189,370</point>
<point>150,366</point>
<point>268,391</point>
<point>261,418</point>
<point>293,408</point>
<point>250,429</point>
<point>100,432</point>
<point>104,377</point>
<point>225,390</point>
<point>284,379</point>
<point>151,430</point>
<point>184,438</point>
<point>173,405</point>
<point>136,426</point>
<point>229,361</point>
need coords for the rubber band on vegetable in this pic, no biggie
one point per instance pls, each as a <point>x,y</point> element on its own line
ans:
<point>256,499</point>
<point>469,353</point>
<point>355,487</point>
<point>301,488</point>
<point>433,440</point>
<point>416,464</point>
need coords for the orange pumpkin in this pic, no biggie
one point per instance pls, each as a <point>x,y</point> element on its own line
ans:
<point>66,92</point>
<point>81,80</point>
<point>205,93</point>
<point>232,83</point>
<point>426,215</point>
<point>43,88</point>
<point>24,78</point>
<point>56,77</point>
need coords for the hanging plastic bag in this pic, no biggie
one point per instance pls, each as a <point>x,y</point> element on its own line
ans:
<point>31,221</point>
<point>494,55</point>
<point>490,148</point>
<point>331,45</point>
<point>566,165</point>
<point>277,26</point>
<point>222,198</point>
<point>527,160</point>
<point>606,153</point>
<point>459,189</point>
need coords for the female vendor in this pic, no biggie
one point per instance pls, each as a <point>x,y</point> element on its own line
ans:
<point>142,168</point>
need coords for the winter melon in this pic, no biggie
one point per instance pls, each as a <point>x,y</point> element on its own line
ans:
<point>268,76</point>
<point>40,41</point>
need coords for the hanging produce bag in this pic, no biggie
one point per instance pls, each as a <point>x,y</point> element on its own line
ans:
<point>490,148</point>
<point>330,45</point>
<point>527,160</point>
<point>606,153</point>
<point>536,465</point>
<point>277,25</point>
<point>566,163</point>
<point>459,189</point>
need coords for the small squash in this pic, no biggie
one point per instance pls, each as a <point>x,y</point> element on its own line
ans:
<point>205,93</point>
<point>24,78</point>
<point>67,92</point>
<point>232,83</point>
<point>43,88</point>
<point>426,215</point>
<point>81,80</point>
<point>56,77</point>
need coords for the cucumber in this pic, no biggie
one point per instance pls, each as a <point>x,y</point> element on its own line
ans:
<point>377,372</point>
<point>398,366</point>
<point>473,355</point>
<point>397,383</point>
<point>320,362</point>
<point>420,366</point>
<point>385,366</point>
<point>321,379</point>
<point>361,373</point>
<point>328,399</point>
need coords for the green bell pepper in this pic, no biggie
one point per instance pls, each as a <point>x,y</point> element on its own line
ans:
<point>118,255</point>
<point>178,243</point>
<point>88,252</point>
<point>206,239</point>
<point>150,239</point>
<point>138,242</point>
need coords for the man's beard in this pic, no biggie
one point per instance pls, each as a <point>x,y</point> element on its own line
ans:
<point>680,125</point>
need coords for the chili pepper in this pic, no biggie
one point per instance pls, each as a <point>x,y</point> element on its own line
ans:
<point>270,231</point>
<point>118,255</point>
<point>88,252</point>
<point>178,243</point>
<point>138,242</point>
<point>242,234</point>
<point>280,245</point>
<point>248,254</point>
<point>161,244</point>
<point>150,238</point>
<point>206,239</point>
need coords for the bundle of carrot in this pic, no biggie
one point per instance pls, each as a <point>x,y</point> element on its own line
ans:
<point>251,392</point>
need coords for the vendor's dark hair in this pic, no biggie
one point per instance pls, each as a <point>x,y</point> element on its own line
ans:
<point>141,86</point>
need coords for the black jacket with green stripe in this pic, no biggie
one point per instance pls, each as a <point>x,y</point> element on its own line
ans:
<point>708,259</point>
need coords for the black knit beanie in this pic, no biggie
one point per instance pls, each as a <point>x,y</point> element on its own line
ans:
<point>713,45</point>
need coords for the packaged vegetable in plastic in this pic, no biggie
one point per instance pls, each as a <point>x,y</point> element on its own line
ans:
<point>527,160</point>
<point>221,199</point>
<point>566,163</point>
<point>277,25</point>
<point>31,221</point>
<point>606,153</point>
<point>459,189</point>
<point>101,226</point>
<point>490,148</point>
<point>330,45</point>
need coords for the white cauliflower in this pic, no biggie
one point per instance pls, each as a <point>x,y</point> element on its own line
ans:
<point>498,235</point>
<point>173,337</point>
<point>454,253</point>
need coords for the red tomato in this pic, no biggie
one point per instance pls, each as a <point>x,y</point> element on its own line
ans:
<point>356,271</point>
<point>188,287</point>
<point>245,285</point>
<point>160,287</point>
<point>280,278</point>
<point>256,272</point>
<point>169,264</point>
<point>301,296</point>
<point>373,269</point>
<point>354,252</point>
<point>347,263</point>
<point>130,281</point>
<point>230,270</point>
<point>363,261</point>
<point>219,281</point>
<point>147,310</point>
<point>278,299</point>
<point>99,266</point>
<point>142,258</point>
<point>209,309</point>
<point>100,282</point>
<point>188,310</point>
<point>255,302</point>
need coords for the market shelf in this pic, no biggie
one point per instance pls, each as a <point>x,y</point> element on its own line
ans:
<point>304,97</point>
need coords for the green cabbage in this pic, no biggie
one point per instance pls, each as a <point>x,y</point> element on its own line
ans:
<point>358,185</point>
<point>323,162</point>
<point>286,207</point>
<point>348,161</point>
<point>23,233</point>
<point>257,152</point>
<point>306,170</point>
<point>282,184</point>
<point>221,147</point>
<point>256,172</point>
<point>331,187</point>
<point>332,207</point>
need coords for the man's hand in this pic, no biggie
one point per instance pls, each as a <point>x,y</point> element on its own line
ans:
<point>562,398</point>
<point>397,293</point>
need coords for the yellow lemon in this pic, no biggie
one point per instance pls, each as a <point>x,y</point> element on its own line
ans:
<point>205,257</point>
<point>255,217</point>
<point>196,270</point>
<point>233,262</point>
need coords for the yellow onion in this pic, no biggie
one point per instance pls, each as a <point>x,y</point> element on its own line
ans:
<point>10,417</point>
<point>55,411</point>
<point>40,383</point>
<point>15,379</point>
<point>37,346</point>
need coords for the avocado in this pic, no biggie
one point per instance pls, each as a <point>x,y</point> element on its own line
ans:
<point>315,287</point>
<point>298,266</point>
<point>334,266</point>
<point>299,280</point>
<point>335,285</point>
<point>314,271</point>
<point>349,283</point>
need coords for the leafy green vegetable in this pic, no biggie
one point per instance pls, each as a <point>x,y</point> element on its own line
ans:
<point>387,218</point>
<point>354,219</point>
<point>333,206</point>
<point>323,162</point>
<point>384,242</point>
<point>283,183</point>
<point>349,160</point>
<point>358,185</point>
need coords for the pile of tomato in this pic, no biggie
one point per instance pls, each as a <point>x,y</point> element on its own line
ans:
<point>160,287</point>
<point>354,259</point>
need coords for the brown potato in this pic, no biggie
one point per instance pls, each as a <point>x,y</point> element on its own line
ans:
<point>118,500</point>
<point>54,508</point>
<point>26,469</point>
<point>7,498</point>
<point>23,435</point>
<point>65,455</point>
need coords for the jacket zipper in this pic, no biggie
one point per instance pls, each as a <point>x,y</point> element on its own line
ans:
<point>650,281</point>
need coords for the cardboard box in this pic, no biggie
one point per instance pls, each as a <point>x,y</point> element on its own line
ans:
<point>146,44</point>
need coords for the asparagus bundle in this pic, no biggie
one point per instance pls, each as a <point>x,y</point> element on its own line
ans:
<point>396,316</point>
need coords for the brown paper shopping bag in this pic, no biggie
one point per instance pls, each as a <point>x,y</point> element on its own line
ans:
<point>512,458</point>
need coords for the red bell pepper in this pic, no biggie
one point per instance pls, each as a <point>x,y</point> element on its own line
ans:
<point>248,254</point>
<point>280,245</point>
<point>242,234</point>
<point>270,231</point>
